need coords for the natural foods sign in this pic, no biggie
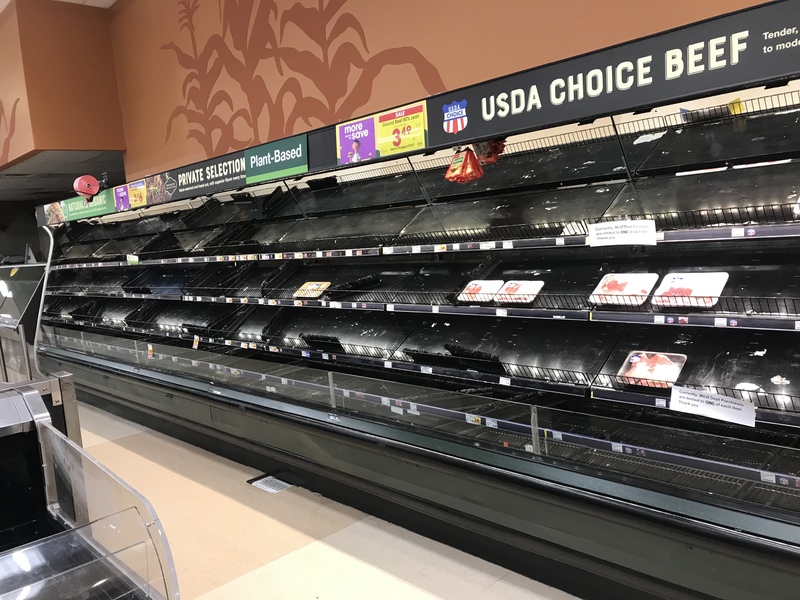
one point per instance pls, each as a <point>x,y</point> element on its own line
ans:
<point>274,160</point>
<point>79,208</point>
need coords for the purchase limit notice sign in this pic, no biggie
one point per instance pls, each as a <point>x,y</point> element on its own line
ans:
<point>402,130</point>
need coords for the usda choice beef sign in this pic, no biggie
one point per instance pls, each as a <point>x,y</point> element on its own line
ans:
<point>733,51</point>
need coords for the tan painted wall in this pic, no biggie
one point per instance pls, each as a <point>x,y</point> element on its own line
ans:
<point>177,81</point>
<point>198,78</point>
<point>70,76</point>
<point>16,136</point>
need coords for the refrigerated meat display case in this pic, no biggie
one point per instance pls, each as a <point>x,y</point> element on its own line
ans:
<point>469,350</point>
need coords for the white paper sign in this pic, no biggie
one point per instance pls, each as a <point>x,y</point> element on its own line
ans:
<point>714,406</point>
<point>623,233</point>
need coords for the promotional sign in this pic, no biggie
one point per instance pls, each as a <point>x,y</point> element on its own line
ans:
<point>137,194</point>
<point>274,160</point>
<point>79,208</point>
<point>355,141</point>
<point>402,130</point>
<point>714,406</point>
<point>121,199</point>
<point>739,49</point>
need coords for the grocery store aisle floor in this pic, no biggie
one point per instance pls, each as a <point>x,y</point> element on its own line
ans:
<point>233,541</point>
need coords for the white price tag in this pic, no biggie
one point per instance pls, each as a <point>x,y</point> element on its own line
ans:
<point>491,423</point>
<point>659,319</point>
<point>335,304</point>
<point>501,312</point>
<point>388,250</point>
<point>390,308</point>
<point>767,477</point>
<point>508,245</point>
<point>472,419</point>
<point>714,406</point>
<point>434,309</point>
<point>737,232</point>
<point>387,364</point>
<point>720,322</point>
<point>325,356</point>
<point>319,254</point>
<point>505,381</point>
<point>623,233</point>
<point>559,241</point>
<point>284,381</point>
<point>797,324</point>
<point>557,435</point>
<point>386,401</point>
<point>298,255</point>
<point>412,409</point>
<point>416,249</point>
<point>397,410</point>
<point>426,370</point>
<point>616,447</point>
<point>348,253</point>
<point>487,245</point>
<point>661,402</point>
<point>346,393</point>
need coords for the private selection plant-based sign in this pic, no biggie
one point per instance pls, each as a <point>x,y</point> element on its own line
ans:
<point>274,160</point>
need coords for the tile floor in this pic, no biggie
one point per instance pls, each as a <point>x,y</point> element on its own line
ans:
<point>231,540</point>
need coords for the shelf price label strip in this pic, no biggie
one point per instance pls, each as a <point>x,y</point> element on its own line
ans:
<point>686,235</point>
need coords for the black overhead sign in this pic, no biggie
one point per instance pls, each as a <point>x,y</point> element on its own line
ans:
<point>214,175</point>
<point>733,51</point>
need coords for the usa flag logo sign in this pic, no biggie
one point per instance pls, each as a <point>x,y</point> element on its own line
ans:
<point>455,117</point>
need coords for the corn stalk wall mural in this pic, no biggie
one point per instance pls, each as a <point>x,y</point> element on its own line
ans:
<point>8,125</point>
<point>296,67</point>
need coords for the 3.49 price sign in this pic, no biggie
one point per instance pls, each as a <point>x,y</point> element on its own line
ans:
<point>402,130</point>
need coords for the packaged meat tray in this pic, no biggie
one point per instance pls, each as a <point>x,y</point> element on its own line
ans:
<point>651,369</point>
<point>690,290</point>
<point>519,292</point>
<point>481,290</point>
<point>625,289</point>
<point>312,289</point>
